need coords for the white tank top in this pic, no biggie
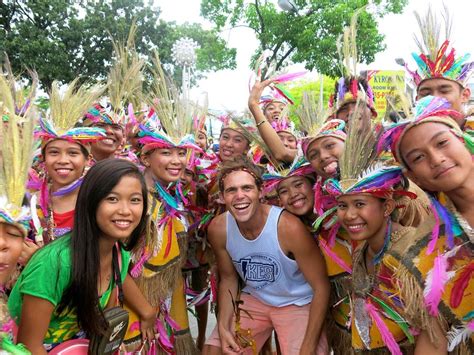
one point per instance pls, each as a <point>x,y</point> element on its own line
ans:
<point>268,274</point>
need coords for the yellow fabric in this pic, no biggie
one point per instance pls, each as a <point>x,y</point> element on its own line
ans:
<point>460,262</point>
<point>340,308</point>
<point>178,311</point>
<point>158,264</point>
<point>381,287</point>
<point>159,235</point>
<point>132,337</point>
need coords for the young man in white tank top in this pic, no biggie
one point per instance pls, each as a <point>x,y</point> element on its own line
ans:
<point>280,265</point>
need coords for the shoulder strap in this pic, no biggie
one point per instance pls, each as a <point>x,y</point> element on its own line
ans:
<point>117,276</point>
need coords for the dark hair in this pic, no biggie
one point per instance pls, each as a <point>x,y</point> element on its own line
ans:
<point>81,295</point>
<point>239,163</point>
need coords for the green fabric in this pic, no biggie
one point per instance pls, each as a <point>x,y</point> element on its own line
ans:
<point>47,276</point>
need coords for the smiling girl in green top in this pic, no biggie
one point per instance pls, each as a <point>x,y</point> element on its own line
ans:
<point>65,287</point>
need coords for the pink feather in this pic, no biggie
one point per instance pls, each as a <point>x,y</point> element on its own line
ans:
<point>318,195</point>
<point>334,256</point>
<point>387,336</point>
<point>435,282</point>
<point>283,78</point>
<point>138,267</point>
<point>332,234</point>
<point>163,338</point>
<point>135,326</point>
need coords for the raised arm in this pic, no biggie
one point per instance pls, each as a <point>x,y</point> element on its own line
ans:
<point>268,134</point>
<point>228,281</point>
<point>295,238</point>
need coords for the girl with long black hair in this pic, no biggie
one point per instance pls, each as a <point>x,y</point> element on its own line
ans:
<point>65,287</point>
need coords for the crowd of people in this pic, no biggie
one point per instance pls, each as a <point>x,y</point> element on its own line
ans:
<point>343,233</point>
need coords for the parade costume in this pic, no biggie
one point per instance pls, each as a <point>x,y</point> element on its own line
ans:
<point>379,324</point>
<point>158,260</point>
<point>17,152</point>
<point>60,123</point>
<point>436,271</point>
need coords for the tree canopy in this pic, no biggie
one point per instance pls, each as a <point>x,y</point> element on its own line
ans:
<point>309,33</point>
<point>63,40</point>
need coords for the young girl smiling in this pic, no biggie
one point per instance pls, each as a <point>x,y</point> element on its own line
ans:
<point>64,156</point>
<point>157,262</point>
<point>64,289</point>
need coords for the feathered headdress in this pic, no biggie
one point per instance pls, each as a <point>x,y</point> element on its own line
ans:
<point>436,59</point>
<point>246,126</point>
<point>284,124</point>
<point>428,109</point>
<point>22,97</point>
<point>350,87</point>
<point>65,111</point>
<point>17,155</point>
<point>274,175</point>
<point>313,122</point>
<point>124,84</point>
<point>241,124</point>
<point>273,96</point>
<point>172,124</point>
<point>359,170</point>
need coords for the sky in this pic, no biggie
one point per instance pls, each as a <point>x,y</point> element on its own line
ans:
<point>228,89</point>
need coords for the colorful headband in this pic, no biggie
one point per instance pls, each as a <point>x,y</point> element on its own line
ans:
<point>229,121</point>
<point>428,109</point>
<point>332,128</point>
<point>444,66</point>
<point>66,110</point>
<point>81,135</point>
<point>351,89</point>
<point>18,216</point>
<point>274,176</point>
<point>378,181</point>
<point>153,136</point>
<point>103,113</point>
<point>274,97</point>
<point>17,154</point>
<point>284,124</point>
<point>437,60</point>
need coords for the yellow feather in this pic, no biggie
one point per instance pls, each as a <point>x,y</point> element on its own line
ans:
<point>17,143</point>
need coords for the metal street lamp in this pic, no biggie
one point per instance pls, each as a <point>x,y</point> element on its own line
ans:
<point>287,5</point>
<point>400,61</point>
<point>183,53</point>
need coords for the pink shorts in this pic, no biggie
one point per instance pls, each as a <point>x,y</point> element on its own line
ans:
<point>289,322</point>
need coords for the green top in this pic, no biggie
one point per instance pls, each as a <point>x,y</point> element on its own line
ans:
<point>47,276</point>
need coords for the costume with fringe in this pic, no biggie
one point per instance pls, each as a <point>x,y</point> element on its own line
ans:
<point>378,324</point>
<point>157,262</point>
<point>436,273</point>
<point>16,129</point>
